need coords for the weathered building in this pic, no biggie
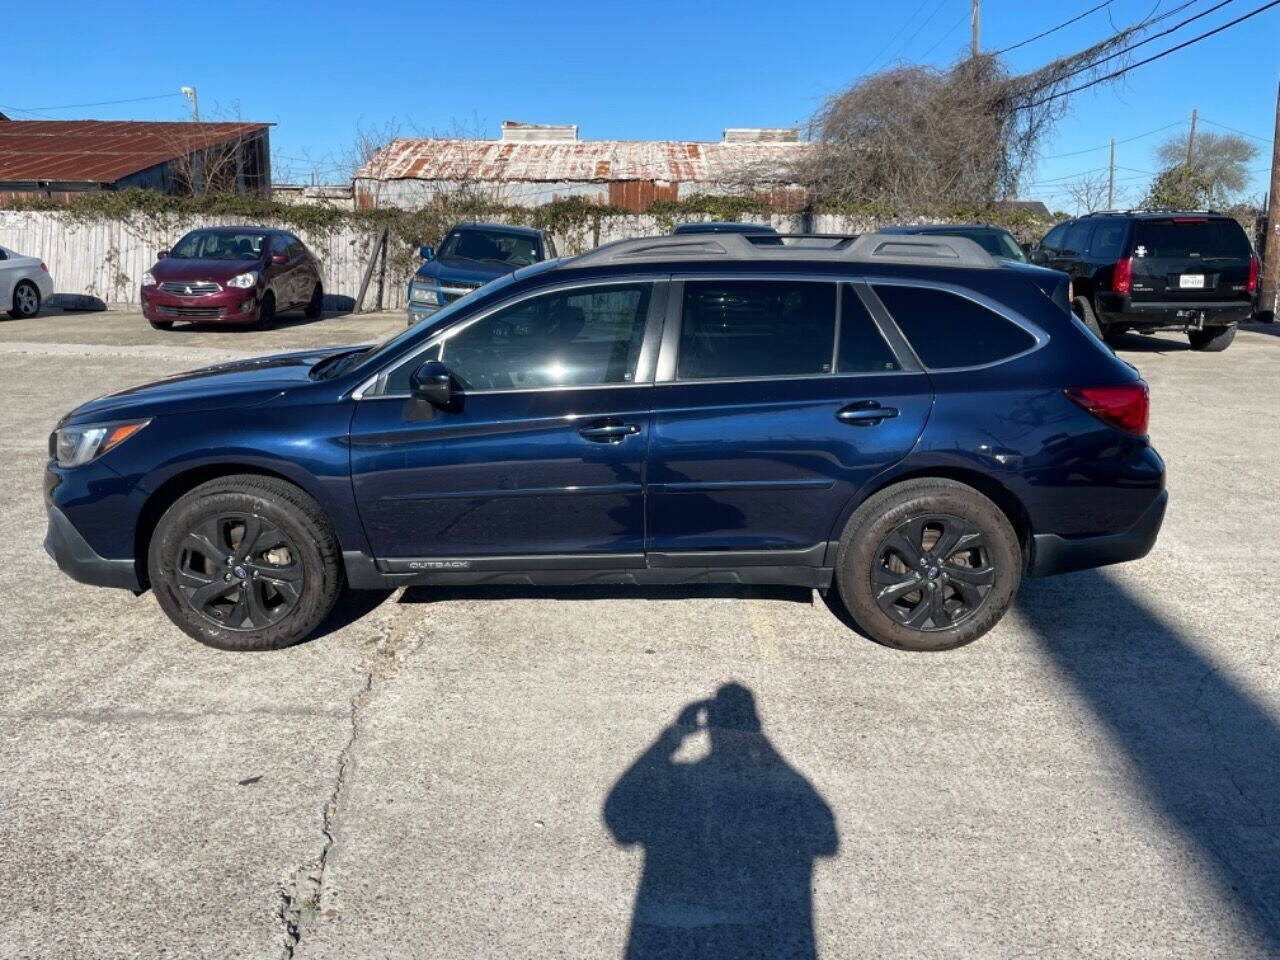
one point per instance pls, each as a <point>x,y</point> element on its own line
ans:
<point>58,158</point>
<point>535,164</point>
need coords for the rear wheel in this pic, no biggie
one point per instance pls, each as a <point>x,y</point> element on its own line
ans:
<point>928,564</point>
<point>26,300</point>
<point>1114,333</point>
<point>245,563</point>
<point>1084,310</point>
<point>316,304</point>
<point>1212,339</point>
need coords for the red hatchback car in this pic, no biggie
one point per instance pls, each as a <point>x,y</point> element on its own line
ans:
<point>241,275</point>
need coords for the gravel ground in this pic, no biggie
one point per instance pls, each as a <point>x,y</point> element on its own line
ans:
<point>462,773</point>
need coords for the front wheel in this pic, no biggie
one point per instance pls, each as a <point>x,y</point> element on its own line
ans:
<point>266,311</point>
<point>245,563</point>
<point>26,300</point>
<point>928,564</point>
<point>1212,339</point>
<point>316,305</point>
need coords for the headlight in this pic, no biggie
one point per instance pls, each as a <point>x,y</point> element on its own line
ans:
<point>74,446</point>
<point>244,280</point>
<point>422,293</point>
<point>148,279</point>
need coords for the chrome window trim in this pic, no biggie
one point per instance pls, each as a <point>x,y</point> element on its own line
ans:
<point>647,347</point>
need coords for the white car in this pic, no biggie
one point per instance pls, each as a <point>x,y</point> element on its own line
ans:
<point>24,283</point>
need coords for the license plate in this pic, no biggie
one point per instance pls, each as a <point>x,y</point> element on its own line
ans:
<point>1191,281</point>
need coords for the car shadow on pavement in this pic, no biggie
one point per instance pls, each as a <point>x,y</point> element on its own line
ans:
<point>729,839</point>
<point>1266,329</point>
<point>352,605</point>
<point>1151,343</point>
<point>1207,754</point>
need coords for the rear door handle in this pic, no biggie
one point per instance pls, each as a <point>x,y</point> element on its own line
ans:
<point>609,432</point>
<point>865,414</point>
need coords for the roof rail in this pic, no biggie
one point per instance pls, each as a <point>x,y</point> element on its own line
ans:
<point>865,248</point>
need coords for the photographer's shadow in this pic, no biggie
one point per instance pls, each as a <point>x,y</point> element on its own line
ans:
<point>729,840</point>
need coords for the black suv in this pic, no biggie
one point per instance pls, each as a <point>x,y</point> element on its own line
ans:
<point>1156,271</point>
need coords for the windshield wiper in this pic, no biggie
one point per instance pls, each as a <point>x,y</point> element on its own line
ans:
<point>333,366</point>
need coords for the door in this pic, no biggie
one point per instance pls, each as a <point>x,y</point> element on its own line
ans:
<point>281,275</point>
<point>776,400</point>
<point>8,278</point>
<point>540,458</point>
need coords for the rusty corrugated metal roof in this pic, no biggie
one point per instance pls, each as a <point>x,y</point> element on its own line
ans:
<point>102,151</point>
<point>674,161</point>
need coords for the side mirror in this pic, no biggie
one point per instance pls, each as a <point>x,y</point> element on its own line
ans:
<point>433,383</point>
<point>1027,248</point>
<point>162,254</point>
<point>426,252</point>
<point>279,258</point>
<point>1036,255</point>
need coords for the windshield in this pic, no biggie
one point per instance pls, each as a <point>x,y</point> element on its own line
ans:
<point>491,246</point>
<point>1191,237</point>
<point>219,245</point>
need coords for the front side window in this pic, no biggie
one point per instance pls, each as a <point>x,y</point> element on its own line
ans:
<point>756,328</point>
<point>1051,245</point>
<point>947,330</point>
<point>590,336</point>
<point>1077,241</point>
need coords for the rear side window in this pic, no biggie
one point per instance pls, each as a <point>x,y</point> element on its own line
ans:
<point>756,328</point>
<point>1190,237</point>
<point>1108,241</point>
<point>947,330</point>
<point>862,348</point>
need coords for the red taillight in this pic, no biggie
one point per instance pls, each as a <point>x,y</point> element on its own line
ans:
<point>1125,407</point>
<point>1122,281</point>
<point>1253,274</point>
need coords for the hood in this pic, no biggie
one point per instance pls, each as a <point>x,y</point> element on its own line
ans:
<point>180,269</point>
<point>239,383</point>
<point>444,269</point>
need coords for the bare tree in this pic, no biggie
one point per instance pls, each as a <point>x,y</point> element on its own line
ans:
<point>1087,192</point>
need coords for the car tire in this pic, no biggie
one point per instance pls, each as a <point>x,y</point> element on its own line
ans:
<point>278,588</point>
<point>26,301</point>
<point>161,324</point>
<point>1084,310</point>
<point>266,312</point>
<point>316,305</point>
<point>883,550</point>
<point>1212,339</point>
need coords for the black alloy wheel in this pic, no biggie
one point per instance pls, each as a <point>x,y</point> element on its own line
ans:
<point>932,572</point>
<point>240,571</point>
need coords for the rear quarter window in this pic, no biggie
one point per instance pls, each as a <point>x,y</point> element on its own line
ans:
<point>948,331</point>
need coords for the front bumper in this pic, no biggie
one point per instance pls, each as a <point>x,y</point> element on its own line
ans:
<point>230,305</point>
<point>1052,554</point>
<point>1175,314</point>
<point>74,557</point>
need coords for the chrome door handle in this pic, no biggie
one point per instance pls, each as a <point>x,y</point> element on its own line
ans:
<point>609,432</point>
<point>866,414</point>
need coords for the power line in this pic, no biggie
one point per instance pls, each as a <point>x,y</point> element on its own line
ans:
<point>1076,153</point>
<point>1065,23</point>
<point>925,55</point>
<point>889,45</point>
<point>1163,53</point>
<point>99,103</point>
<point>1234,130</point>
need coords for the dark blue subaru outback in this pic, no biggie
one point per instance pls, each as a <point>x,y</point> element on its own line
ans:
<point>902,417</point>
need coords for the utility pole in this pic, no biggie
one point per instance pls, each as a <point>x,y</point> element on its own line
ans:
<point>975,27</point>
<point>1269,293</point>
<point>190,94</point>
<point>1191,140</point>
<point>1111,177</point>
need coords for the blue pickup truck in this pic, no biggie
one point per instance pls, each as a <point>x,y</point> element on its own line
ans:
<point>470,255</point>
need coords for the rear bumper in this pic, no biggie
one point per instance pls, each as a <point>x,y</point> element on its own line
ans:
<point>1052,554</point>
<point>1118,308</point>
<point>74,557</point>
<point>231,305</point>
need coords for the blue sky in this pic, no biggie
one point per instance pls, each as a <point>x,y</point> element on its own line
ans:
<point>658,70</point>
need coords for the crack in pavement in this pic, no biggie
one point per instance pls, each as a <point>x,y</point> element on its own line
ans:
<point>303,895</point>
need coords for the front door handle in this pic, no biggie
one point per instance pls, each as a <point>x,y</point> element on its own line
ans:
<point>865,414</point>
<point>609,432</point>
